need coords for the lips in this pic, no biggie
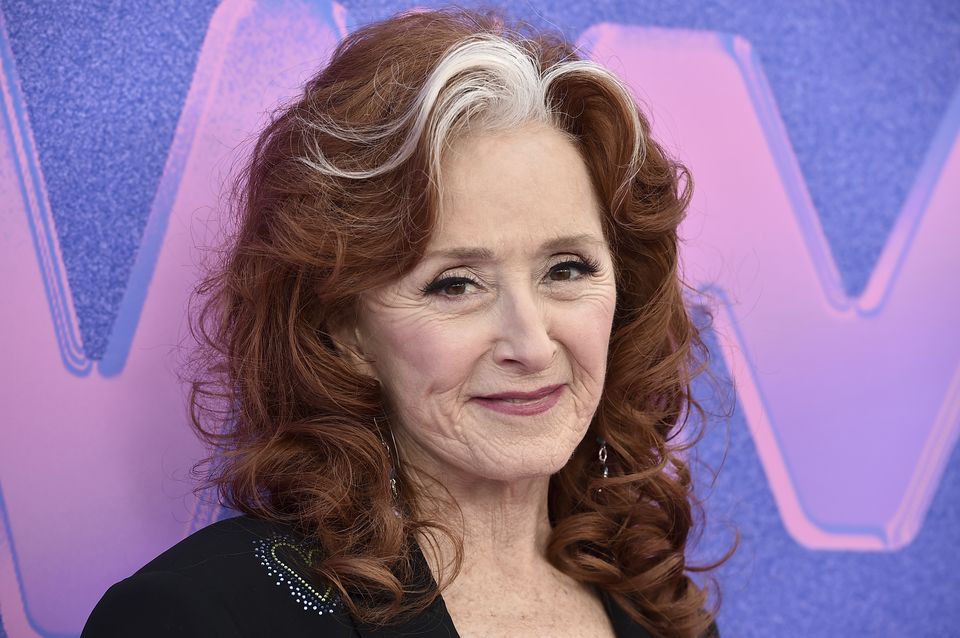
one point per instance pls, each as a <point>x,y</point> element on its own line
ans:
<point>523,407</point>
<point>522,396</point>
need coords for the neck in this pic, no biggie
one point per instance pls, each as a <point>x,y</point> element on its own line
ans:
<point>504,525</point>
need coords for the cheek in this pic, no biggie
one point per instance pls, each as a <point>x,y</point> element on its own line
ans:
<point>432,354</point>
<point>586,329</point>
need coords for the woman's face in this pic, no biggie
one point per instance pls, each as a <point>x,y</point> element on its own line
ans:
<point>528,315</point>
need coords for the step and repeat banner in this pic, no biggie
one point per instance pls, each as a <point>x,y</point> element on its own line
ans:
<point>825,226</point>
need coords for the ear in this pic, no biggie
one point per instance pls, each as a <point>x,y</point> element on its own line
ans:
<point>350,343</point>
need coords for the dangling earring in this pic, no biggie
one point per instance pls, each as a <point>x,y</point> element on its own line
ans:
<point>393,469</point>
<point>393,466</point>
<point>602,455</point>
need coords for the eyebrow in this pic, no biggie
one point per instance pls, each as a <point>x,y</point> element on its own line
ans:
<point>485,254</point>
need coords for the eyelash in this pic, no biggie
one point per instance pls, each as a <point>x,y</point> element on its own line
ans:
<point>587,266</point>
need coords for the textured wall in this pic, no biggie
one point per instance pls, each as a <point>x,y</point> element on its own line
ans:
<point>823,143</point>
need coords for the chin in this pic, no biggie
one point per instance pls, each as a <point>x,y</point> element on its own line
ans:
<point>535,465</point>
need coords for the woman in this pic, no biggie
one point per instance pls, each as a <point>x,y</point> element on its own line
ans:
<point>451,337</point>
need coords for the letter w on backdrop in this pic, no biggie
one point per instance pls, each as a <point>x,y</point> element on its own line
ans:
<point>853,403</point>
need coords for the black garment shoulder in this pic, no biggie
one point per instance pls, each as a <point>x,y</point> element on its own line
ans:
<point>244,577</point>
<point>237,577</point>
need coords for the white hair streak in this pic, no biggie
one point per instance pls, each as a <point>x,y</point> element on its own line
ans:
<point>484,83</point>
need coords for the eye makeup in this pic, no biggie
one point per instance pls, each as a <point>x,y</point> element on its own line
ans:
<point>586,266</point>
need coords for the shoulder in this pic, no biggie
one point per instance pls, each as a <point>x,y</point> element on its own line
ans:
<point>237,577</point>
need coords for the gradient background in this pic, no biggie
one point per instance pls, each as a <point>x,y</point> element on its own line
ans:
<point>826,225</point>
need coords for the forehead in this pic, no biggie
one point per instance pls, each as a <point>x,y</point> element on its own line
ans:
<point>520,187</point>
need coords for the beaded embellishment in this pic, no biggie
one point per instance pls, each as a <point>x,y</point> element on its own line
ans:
<point>271,553</point>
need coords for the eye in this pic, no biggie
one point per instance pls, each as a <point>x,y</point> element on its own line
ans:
<point>439,285</point>
<point>586,266</point>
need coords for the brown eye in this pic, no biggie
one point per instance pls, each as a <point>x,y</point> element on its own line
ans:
<point>440,286</point>
<point>565,268</point>
<point>459,285</point>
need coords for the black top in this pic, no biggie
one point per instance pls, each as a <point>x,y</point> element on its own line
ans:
<point>239,577</point>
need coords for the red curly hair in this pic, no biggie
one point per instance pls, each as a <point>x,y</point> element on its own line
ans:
<point>340,197</point>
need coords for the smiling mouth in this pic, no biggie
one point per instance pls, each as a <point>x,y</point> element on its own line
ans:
<point>522,407</point>
<point>521,397</point>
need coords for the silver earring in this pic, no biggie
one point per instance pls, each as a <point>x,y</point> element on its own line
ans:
<point>602,455</point>
<point>393,469</point>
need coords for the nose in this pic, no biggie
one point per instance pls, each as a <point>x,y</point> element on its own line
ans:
<point>522,331</point>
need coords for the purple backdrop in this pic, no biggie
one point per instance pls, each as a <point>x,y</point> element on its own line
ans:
<point>824,149</point>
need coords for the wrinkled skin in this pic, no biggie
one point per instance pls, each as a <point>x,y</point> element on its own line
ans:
<point>523,324</point>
